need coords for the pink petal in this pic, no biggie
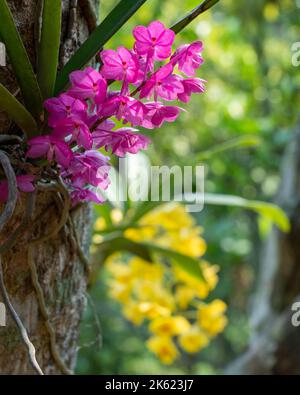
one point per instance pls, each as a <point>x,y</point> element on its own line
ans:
<point>25,183</point>
<point>167,38</point>
<point>38,146</point>
<point>156,29</point>
<point>140,33</point>
<point>63,153</point>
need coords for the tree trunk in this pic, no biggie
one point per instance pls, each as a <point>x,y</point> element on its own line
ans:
<point>275,343</point>
<point>61,273</point>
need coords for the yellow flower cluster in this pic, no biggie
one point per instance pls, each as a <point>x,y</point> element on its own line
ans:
<point>164,295</point>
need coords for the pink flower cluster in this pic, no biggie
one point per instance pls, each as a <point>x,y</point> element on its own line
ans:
<point>80,118</point>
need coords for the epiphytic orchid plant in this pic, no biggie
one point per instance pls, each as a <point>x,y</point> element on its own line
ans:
<point>81,119</point>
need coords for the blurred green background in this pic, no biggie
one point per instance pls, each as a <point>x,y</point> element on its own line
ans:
<point>252,89</point>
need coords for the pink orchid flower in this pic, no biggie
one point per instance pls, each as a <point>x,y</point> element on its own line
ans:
<point>74,114</point>
<point>163,84</point>
<point>188,58</point>
<point>90,167</point>
<point>135,113</point>
<point>75,128</point>
<point>50,147</point>
<point>85,195</point>
<point>154,42</point>
<point>114,105</point>
<point>105,126</point>
<point>65,106</point>
<point>158,113</point>
<point>88,84</point>
<point>191,85</point>
<point>124,107</point>
<point>120,141</point>
<point>120,65</point>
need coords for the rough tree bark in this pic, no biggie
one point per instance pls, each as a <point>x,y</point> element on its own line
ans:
<point>60,271</point>
<point>275,343</point>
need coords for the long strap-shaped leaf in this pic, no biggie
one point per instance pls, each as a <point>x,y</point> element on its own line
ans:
<point>180,25</point>
<point>116,243</point>
<point>49,47</point>
<point>270,211</point>
<point>20,61</point>
<point>144,250</point>
<point>246,141</point>
<point>17,112</point>
<point>111,24</point>
<point>187,263</point>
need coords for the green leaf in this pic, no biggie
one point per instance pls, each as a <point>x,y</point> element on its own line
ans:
<point>143,250</point>
<point>185,262</point>
<point>49,47</point>
<point>119,243</point>
<point>20,61</point>
<point>239,142</point>
<point>111,24</point>
<point>17,112</point>
<point>267,210</point>
<point>180,25</point>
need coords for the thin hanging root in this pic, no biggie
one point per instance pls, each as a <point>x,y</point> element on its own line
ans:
<point>59,187</point>
<point>17,320</point>
<point>43,308</point>
<point>99,338</point>
<point>75,241</point>
<point>12,190</point>
<point>80,253</point>
<point>65,218</point>
<point>35,280</point>
<point>8,138</point>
